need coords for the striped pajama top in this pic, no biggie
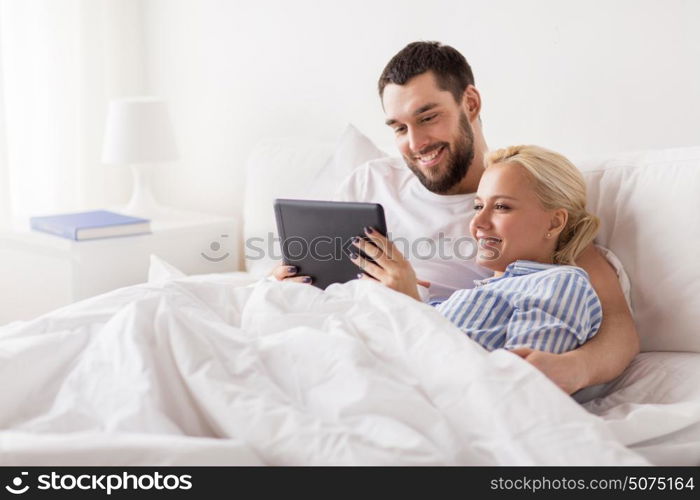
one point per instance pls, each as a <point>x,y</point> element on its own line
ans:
<point>542,306</point>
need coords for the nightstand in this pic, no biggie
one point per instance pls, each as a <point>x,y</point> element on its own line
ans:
<point>41,272</point>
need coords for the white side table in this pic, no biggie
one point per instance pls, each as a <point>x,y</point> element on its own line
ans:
<point>40,272</point>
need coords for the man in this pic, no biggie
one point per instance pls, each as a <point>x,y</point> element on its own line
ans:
<point>431,104</point>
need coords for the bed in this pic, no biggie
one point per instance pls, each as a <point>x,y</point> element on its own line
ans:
<point>234,368</point>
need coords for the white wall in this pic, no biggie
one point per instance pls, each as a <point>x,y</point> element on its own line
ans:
<point>584,78</point>
<point>60,62</point>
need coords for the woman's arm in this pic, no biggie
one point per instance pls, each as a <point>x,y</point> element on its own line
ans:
<point>607,354</point>
<point>557,312</point>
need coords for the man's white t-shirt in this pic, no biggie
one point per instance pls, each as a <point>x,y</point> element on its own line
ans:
<point>431,230</point>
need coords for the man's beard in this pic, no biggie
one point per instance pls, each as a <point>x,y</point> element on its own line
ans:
<point>457,162</point>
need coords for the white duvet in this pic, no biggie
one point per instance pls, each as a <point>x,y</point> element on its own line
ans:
<point>204,370</point>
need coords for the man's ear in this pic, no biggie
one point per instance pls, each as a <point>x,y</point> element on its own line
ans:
<point>558,221</point>
<point>471,102</point>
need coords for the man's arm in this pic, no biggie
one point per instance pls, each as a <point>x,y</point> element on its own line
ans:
<point>606,355</point>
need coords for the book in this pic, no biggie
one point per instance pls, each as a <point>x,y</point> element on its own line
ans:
<point>90,225</point>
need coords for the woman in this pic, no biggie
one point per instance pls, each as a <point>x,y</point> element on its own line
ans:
<point>530,225</point>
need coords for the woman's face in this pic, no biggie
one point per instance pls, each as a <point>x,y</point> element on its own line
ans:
<point>510,223</point>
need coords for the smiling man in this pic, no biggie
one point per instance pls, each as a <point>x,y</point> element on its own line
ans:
<point>431,104</point>
<point>433,107</point>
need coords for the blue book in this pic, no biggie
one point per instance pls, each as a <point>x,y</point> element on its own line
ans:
<point>91,225</point>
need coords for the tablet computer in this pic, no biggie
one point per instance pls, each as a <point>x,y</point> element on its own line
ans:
<point>316,236</point>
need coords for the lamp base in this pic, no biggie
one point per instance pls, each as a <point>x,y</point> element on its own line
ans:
<point>142,203</point>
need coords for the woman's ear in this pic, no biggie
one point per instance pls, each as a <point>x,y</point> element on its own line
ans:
<point>557,223</point>
<point>471,102</point>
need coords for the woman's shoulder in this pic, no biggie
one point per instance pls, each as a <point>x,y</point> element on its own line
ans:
<point>547,274</point>
<point>553,284</point>
<point>574,272</point>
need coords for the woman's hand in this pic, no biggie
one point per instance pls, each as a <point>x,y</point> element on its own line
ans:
<point>284,272</point>
<point>389,266</point>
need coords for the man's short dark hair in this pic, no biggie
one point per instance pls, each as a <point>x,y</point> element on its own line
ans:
<point>451,69</point>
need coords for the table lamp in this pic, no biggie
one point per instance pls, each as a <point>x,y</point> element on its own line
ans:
<point>139,134</point>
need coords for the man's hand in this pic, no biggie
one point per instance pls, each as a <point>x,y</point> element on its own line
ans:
<point>390,267</point>
<point>561,369</point>
<point>284,272</point>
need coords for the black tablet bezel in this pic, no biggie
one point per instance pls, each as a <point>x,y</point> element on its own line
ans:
<point>333,223</point>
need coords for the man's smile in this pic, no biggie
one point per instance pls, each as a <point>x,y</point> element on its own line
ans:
<point>431,158</point>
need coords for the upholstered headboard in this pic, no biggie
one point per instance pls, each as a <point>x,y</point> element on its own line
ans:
<point>649,206</point>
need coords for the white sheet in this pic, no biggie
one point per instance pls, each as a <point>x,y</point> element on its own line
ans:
<point>654,407</point>
<point>201,371</point>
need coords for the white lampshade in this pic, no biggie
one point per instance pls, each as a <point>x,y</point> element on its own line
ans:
<point>138,131</point>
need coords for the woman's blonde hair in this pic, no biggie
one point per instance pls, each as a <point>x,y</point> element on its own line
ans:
<point>558,184</point>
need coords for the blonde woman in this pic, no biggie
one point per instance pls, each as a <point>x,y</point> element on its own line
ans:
<point>530,226</point>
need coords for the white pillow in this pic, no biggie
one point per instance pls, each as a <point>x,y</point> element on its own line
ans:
<point>353,148</point>
<point>648,206</point>
<point>293,168</point>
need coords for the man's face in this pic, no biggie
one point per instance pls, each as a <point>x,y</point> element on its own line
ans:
<point>432,132</point>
